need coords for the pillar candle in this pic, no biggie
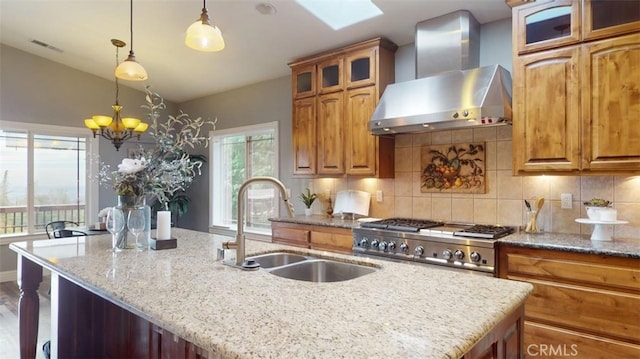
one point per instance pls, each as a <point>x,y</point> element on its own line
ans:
<point>164,225</point>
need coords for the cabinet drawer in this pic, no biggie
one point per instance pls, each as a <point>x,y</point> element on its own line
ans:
<point>593,311</point>
<point>296,237</point>
<point>543,341</point>
<point>332,241</point>
<point>575,272</point>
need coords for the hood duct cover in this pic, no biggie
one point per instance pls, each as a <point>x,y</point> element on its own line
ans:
<point>443,98</point>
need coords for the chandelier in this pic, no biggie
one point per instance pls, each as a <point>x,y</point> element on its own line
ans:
<point>116,129</point>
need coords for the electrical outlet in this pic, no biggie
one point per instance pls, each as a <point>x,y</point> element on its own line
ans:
<point>379,196</point>
<point>566,201</point>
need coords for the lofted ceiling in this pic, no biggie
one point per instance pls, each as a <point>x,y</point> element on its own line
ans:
<point>258,47</point>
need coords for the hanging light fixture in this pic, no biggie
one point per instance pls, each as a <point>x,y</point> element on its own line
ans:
<point>130,69</point>
<point>203,36</point>
<point>116,129</point>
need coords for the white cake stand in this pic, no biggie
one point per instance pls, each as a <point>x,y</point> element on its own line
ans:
<point>602,230</point>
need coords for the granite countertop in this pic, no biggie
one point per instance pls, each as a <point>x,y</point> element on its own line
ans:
<point>629,248</point>
<point>320,220</point>
<point>399,311</point>
<point>556,241</point>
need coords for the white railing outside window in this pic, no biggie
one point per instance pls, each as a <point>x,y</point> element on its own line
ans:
<point>45,175</point>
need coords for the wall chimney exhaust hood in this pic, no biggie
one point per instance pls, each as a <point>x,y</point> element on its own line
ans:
<point>451,90</point>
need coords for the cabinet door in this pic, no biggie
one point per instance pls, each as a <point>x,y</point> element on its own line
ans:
<point>604,18</point>
<point>547,25</point>
<point>611,104</point>
<point>304,136</point>
<point>330,129</point>
<point>304,81</point>
<point>546,103</point>
<point>361,67</point>
<point>360,143</point>
<point>330,75</point>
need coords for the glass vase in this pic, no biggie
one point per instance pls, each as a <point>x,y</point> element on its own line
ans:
<point>128,203</point>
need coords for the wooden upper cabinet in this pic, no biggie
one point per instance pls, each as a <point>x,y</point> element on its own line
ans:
<point>304,136</point>
<point>546,25</point>
<point>547,111</point>
<point>366,155</point>
<point>330,133</point>
<point>611,104</point>
<point>575,96</point>
<point>606,18</point>
<point>348,85</point>
<point>330,75</point>
<point>361,68</point>
<point>303,81</point>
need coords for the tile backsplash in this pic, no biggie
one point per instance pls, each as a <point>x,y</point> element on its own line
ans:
<point>503,202</point>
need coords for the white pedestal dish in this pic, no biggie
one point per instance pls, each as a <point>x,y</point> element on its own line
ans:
<point>602,230</point>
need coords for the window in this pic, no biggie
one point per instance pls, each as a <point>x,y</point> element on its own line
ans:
<point>44,176</point>
<point>238,154</point>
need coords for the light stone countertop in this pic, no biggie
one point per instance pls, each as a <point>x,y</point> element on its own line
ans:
<point>619,247</point>
<point>556,241</point>
<point>399,311</point>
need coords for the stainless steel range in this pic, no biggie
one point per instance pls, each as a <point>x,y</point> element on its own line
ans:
<point>462,246</point>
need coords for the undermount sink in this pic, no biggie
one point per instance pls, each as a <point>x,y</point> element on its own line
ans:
<point>322,270</point>
<point>309,269</point>
<point>279,259</point>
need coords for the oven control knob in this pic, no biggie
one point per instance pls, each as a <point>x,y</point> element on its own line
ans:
<point>382,246</point>
<point>392,246</point>
<point>475,256</point>
<point>363,243</point>
<point>419,251</point>
<point>404,248</point>
<point>374,243</point>
<point>447,254</point>
<point>458,254</point>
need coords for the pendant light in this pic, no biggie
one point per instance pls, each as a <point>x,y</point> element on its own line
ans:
<point>203,36</point>
<point>130,69</point>
<point>116,129</point>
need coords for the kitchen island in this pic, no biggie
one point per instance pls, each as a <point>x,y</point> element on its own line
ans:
<point>187,296</point>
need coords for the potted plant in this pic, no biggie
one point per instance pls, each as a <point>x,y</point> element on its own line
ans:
<point>308,198</point>
<point>598,209</point>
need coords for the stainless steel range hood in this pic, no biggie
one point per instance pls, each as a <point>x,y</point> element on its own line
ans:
<point>451,91</point>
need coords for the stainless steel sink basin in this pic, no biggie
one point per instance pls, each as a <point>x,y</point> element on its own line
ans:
<point>322,270</point>
<point>279,259</point>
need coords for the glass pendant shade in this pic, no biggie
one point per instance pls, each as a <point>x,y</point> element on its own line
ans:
<point>102,121</point>
<point>142,126</point>
<point>91,124</point>
<point>203,36</point>
<point>131,70</point>
<point>130,122</point>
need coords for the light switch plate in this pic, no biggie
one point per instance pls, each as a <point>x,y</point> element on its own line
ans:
<point>566,201</point>
<point>379,196</point>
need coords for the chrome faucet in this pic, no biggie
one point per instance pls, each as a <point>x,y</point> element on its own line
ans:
<point>238,245</point>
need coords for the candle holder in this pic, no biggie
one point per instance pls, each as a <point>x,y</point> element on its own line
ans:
<point>158,244</point>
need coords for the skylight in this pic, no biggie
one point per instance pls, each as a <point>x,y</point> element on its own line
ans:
<point>341,13</point>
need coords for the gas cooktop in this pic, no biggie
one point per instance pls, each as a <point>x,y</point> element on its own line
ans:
<point>427,226</point>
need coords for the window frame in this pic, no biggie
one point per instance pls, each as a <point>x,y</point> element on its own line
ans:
<point>242,130</point>
<point>92,165</point>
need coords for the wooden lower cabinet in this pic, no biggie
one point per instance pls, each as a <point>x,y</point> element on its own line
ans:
<point>333,239</point>
<point>88,326</point>
<point>582,305</point>
<point>503,341</point>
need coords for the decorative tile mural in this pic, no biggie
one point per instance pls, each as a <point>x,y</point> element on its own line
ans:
<point>454,168</point>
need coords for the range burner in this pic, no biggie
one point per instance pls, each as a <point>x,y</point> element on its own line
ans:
<point>484,231</point>
<point>402,224</point>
